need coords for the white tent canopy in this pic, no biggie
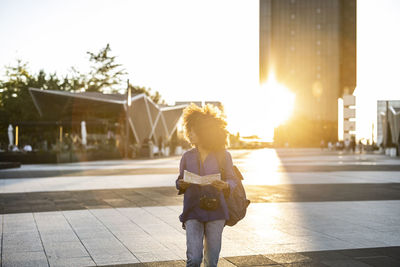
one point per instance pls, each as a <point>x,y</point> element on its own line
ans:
<point>10,135</point>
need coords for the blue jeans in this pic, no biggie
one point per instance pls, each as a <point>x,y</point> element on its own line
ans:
<point>195,233</point>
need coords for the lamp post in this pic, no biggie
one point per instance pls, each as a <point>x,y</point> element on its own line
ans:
<point>128,105</point>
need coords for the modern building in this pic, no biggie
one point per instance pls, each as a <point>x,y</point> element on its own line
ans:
<point>147,120</point>
<point>310,45</point>
<point>388,120</point>
<point>349,116</point>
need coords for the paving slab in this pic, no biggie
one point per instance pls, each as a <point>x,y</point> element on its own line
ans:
<point>380,261</point>
<point>24,259</point>
<point>71,262</point>
<point>66,250</point>
<point>345,263</point>
<point>256,260</point>
<point>288,257</point>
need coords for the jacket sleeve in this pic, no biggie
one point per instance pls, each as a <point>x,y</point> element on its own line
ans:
<point>229,174</point>
<point>182,166</point>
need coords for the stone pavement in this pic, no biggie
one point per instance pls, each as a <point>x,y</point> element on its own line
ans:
<point>166,196</point>
<point>88,214</point>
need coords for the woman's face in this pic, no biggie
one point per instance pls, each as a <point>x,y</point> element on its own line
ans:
<point>193,137</point>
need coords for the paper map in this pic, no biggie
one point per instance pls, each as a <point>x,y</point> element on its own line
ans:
<point>193,178</point>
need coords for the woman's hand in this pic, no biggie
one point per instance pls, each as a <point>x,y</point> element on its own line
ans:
<point>220,185</point>
<point>182,184</point>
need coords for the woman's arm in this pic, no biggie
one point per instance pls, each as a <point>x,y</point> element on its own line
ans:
<point>228,184</point>
<point>179,183</point>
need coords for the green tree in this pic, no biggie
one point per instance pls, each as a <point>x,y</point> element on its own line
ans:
<point>105,75</point>
<point>74,82</point>
<point>15,101</point>
<point>16,104</point>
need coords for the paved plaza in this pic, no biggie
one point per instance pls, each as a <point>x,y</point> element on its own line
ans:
<point>309,208</point>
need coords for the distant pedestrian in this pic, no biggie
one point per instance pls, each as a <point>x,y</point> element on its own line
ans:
<point>353,144</point>
<point>160,146</point>
<point>347,144</point>
<point>337,145</point>
<point>330,146</point>
<point>204,207</point>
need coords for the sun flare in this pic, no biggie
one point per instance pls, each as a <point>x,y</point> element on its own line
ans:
<point>261,109</point>
<point>279,101</point>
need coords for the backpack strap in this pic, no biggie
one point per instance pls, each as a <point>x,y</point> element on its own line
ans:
<point>221,159</point>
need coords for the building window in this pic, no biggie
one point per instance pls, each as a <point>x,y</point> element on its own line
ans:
<point>293,16</point>
<point>318,10</point>
<point>292,32</point>
<point>293,1</point>
<point>318,26</point>
<point>318,42</point>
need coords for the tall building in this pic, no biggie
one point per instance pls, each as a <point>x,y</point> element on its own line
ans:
<point>310,45</point>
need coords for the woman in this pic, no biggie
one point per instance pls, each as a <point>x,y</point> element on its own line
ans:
<point>204,207</point>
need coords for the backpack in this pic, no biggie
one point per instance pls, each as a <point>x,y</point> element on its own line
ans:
<point>236,201</point>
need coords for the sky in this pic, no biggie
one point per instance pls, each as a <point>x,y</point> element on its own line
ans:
<point>378,57</point>
<point>190,50</point>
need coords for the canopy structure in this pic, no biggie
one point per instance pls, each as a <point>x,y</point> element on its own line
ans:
<point>146,119</point>
<point>394,124</point>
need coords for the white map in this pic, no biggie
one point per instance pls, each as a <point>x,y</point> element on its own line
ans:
<point>193,178</point>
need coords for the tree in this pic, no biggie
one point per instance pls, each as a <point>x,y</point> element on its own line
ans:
<point>75,82</point>
<point>156,97</point>
<point>105,74</point>
<point>16,104</point>
<point>15,101</point>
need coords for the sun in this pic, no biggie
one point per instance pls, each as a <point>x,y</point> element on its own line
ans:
<point>261,109</point>
<point>279,101</point>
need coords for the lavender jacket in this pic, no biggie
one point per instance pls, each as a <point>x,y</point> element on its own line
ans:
<point>191,162</point>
